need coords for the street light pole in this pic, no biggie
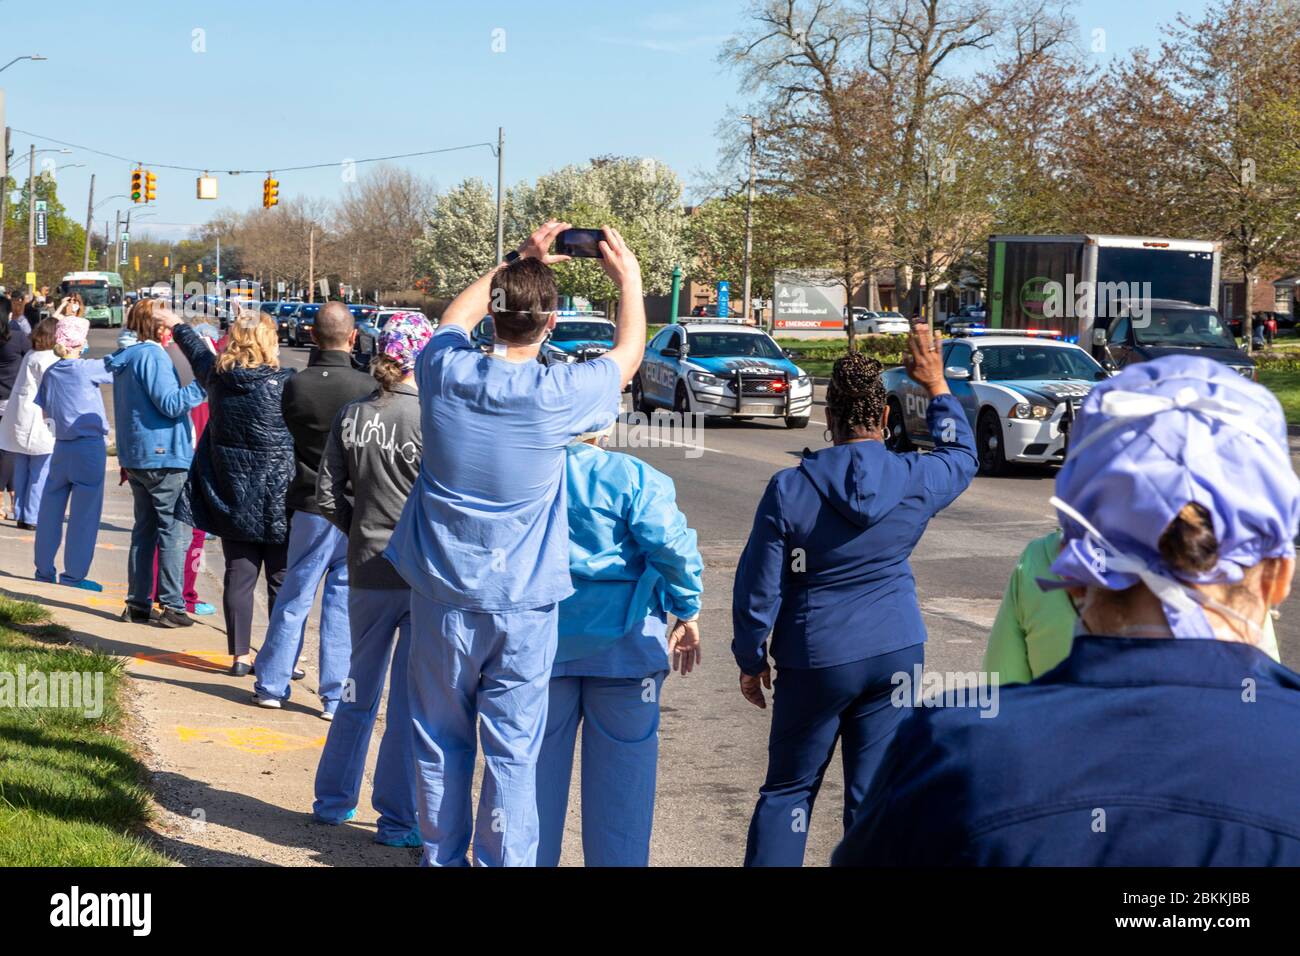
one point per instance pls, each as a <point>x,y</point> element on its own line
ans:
<point>749,216</point>
<point>90,211</point>
<point>501,221</point>
<point>31,210</point>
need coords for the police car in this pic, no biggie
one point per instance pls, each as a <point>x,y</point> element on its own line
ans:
<point>1020,390</point>
<point>577,337</point>
<point>721,369</point>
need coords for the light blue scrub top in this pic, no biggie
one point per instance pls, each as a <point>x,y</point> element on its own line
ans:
<point>633,560</point>
<point>485,527</point>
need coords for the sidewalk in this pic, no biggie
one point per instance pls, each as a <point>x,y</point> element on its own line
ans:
<point>232,782</point>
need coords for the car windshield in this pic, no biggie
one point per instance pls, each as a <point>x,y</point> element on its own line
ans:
<point>732,344</point>
<point>309,311</point>
<point>1003,363</point>
<point>890,315</point>
<point>583,332</point>
<point>1197,328</point>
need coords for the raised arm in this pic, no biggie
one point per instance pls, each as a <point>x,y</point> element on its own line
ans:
<point>468,308</point>
<point>629,337</point>
<point>201,358</point>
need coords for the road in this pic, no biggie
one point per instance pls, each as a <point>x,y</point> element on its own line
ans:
<point>713,750</point>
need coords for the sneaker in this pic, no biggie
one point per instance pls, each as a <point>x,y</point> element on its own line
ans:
<point>203,609</point>
<point>173,618</point>
<point>135,616</point>
<point>24,526</point>
<point>327,715</point>
<point>298,673</point>
<point>270,703</point>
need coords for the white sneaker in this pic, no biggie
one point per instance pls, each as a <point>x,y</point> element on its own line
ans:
<point>326,715</point>
<point>271,703</point>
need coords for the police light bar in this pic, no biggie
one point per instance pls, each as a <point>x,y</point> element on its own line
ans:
<point>1028,333</point>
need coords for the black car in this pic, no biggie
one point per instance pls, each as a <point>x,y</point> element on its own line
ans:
<point>1168,327</point>
<point>302,324</point>
<point>366,318</point>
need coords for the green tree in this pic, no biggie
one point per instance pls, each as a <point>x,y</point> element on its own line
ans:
<point>459,241</point>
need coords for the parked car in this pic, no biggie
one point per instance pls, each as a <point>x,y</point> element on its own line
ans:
<point>871,322</point>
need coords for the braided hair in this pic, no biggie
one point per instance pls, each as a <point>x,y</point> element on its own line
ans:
<point>856,395</point>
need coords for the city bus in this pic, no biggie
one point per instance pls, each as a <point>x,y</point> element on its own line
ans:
<point>102,293</point>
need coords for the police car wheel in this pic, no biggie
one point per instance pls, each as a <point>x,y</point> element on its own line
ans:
<point>681,400</point>
<point>988,439</point>
<point>796,422</point>
<point>897,439</point>
<point>639,403</point>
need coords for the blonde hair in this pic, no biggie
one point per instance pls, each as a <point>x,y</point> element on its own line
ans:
<point>64,352</point>
<point>251,341</point>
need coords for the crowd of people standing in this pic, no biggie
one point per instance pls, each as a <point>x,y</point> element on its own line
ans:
<point>511,581</point>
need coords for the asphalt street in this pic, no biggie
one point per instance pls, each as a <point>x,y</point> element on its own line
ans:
<point>713,743</point>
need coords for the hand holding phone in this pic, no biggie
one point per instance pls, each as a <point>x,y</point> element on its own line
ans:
<point>580,243</point>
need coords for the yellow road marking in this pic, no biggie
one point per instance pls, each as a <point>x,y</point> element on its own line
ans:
<point>253,740</point>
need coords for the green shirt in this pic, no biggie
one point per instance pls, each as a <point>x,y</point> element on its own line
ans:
<point>1035,628</point>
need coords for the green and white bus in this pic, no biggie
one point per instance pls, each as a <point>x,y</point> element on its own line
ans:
<point>102,293</point>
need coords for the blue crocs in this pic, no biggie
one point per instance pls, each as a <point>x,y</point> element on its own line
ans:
<point>411,840</point>
<point>350,815</point>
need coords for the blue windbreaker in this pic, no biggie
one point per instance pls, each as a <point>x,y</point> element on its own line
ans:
<point>631,554</point>
<point>825,569</point>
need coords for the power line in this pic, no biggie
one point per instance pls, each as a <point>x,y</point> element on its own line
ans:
<point>240,172</point>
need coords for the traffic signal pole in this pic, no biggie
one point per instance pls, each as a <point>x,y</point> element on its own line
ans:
<point>31,211</point>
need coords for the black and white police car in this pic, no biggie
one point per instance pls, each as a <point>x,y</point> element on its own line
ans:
<point>721,369</point>
<point>1019,389</point>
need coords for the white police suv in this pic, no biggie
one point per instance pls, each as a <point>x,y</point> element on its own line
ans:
<point>1020,391</point>
<point>722,369</point>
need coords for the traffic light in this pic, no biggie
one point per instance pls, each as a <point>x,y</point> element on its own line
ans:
<point>270,192</point>
<point>137,187</point>
<point>166,262</point>
<point>150,186</point>
<point>135,261</point>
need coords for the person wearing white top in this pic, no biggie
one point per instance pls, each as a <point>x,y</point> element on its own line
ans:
<point>24,432</point>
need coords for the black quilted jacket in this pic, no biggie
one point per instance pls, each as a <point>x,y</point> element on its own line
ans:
<point>244,461</point>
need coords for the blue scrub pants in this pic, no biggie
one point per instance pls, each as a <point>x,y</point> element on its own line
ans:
<point>620,751</point>
<point>317,550</point>
<point>469,667</point>
<point>30,472</point>
<point>811,710</point>
<point>76,476</point>
<point>381,618</point>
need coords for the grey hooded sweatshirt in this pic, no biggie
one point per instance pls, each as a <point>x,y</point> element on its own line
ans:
<point>370,463</point>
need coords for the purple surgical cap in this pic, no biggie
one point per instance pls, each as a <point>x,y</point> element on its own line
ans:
<point>1156,437</point>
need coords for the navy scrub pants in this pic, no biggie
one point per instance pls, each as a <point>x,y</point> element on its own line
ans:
<point>812,709</point>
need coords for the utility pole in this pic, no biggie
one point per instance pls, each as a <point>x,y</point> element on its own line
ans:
<point>90,211</point>
<point>501,220</point>
<point>31,210</point>
<point>4,187</point>
<point>117,239</point>
<point>311,265</point>
<point>749,216</point>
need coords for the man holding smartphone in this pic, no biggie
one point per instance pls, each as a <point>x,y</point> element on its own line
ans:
<point>483,541</point>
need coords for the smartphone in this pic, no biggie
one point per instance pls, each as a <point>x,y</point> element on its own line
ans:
<point>580,243</point>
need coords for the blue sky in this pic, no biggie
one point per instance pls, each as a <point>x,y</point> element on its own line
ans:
<point>291,83</point>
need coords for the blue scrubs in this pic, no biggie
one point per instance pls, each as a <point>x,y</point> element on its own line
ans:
<point>812,710</point>
<point>465,665</point>
<point>317,550</point>
<point>70,395</point>
<point>1140,752</point>
<point>30,472</point>
<point>634,561</point>
<point>383,617</point>
<point>483,542</point>
<point>76,477</point>
<point>825,575</point>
